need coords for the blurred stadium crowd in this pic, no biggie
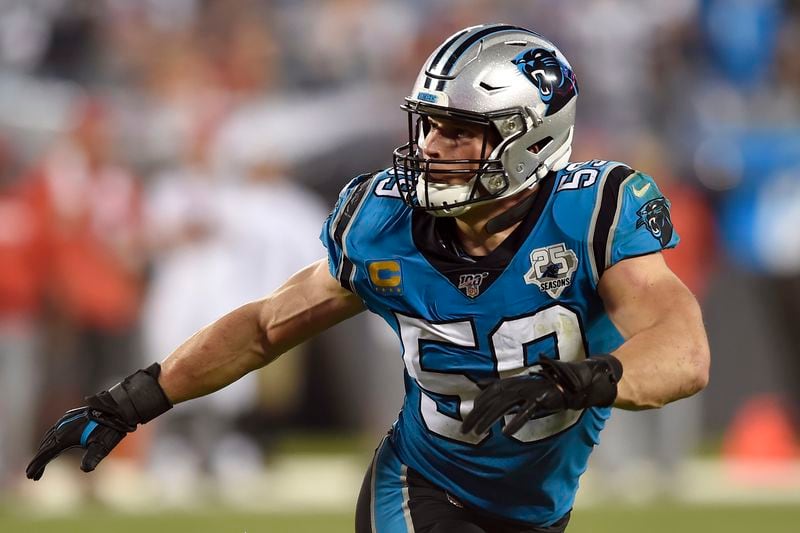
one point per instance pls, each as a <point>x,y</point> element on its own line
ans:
<point>163,162</point>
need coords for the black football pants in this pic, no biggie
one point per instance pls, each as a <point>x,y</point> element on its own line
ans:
<point>421,507</point>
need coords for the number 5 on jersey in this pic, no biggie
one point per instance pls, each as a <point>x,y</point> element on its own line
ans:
<point>508,341</point>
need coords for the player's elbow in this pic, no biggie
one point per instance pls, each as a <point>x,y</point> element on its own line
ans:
<point>689,375</point>
<point>696,354</point>
<point>693,376</point>
<point>698,368</point>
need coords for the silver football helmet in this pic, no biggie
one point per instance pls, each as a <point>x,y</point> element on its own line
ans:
<point>516,84</point>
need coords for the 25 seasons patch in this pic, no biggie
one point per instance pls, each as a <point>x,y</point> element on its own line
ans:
<point>552,269</point>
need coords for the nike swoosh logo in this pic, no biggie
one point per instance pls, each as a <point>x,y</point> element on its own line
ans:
<point>640,192</point>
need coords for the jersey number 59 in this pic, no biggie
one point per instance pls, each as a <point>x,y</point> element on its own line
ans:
<point>508,342</point>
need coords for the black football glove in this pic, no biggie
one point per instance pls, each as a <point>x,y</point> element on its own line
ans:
<point>556,386</point>
<point>100,425</point>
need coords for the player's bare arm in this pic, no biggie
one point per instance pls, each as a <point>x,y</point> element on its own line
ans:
<point>241,341</point>
<point>666,355</point>
<point>257,333</point>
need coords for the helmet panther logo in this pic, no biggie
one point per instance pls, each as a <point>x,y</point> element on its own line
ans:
<point>655,216</point>
<point>555,81</point>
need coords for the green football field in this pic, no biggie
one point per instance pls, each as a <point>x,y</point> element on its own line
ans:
<point>666,519</point>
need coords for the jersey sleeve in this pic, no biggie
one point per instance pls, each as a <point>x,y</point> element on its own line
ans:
<point>633,219</point>
<point>336,226</point>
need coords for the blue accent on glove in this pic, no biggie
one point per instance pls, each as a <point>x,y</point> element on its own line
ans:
<point>68,420</point>
<point>87,431</point>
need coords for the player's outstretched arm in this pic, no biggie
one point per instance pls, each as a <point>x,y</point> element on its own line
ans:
<point>243,340</point>
<point>257,333</point>
<point>665,355</point>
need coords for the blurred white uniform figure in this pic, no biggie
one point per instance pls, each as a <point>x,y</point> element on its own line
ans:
<point>221,242</point>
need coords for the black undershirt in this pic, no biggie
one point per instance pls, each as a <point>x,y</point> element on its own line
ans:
<point>437,239</point>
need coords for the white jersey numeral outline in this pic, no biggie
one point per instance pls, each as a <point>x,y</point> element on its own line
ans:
<point>508,342</point>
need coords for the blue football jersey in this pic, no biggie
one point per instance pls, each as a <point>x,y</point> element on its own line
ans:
<point>461,320</point>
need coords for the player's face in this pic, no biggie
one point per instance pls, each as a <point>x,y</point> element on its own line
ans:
<point>453,139</point>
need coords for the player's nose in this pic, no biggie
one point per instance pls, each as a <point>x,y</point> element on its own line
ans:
<point>432,147</point>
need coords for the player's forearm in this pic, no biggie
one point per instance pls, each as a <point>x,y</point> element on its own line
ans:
<point>257,333</point>
<point>666,362</point>
<point>216,356</point>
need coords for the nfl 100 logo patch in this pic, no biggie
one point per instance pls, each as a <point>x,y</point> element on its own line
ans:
<point>470,284</point>
<point>552,269</point>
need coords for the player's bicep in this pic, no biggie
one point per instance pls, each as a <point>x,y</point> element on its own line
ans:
<point>641,291</point>
<point>310,302</point>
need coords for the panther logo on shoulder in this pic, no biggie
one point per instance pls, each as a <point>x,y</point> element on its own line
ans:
<point>655,216</point>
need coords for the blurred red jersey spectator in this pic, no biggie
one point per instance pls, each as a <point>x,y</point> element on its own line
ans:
<point>22,254</point>
<point>22,261</point>
<point>90,206</point>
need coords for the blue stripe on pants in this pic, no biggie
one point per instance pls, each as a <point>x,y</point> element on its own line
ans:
<point>390,512</point>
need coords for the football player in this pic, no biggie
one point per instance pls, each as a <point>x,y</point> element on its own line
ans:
<point>528,293</point>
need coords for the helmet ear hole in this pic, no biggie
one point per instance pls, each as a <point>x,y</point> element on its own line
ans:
<point>537,147</point>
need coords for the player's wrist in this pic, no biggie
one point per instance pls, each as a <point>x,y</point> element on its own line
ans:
<point>606,374</point>
<point>588,383</point>
<point>137,399</point>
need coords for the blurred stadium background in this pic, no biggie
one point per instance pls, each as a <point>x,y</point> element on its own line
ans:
<point>162,162</point>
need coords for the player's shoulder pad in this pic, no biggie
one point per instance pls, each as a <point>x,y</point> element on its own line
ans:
<point>372,195</point>
<point>579,191</point>
<point>352,193</point>
<point>350,201</point>
<point>607,204</point>
<point>620,210</point>
<point>367,205</point>
<point>638,220</point>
